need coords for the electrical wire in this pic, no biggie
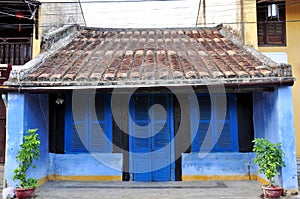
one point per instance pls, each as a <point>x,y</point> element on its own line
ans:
<point>209,6</point>
<point>29,26</point>
<point>82,12</point>
<point>53,11</point>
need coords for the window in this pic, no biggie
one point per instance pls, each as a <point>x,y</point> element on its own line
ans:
<point>223,132</point>
<point>16,31</point>
<point>271,24</point>
<point>88,127</point>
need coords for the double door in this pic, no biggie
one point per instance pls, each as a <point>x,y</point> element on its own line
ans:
<point>151,133</point>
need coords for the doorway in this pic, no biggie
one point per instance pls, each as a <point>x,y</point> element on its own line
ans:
<point>151,132</point>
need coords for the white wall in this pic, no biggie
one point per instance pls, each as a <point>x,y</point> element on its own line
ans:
<point>228,13</point>
<point>219,12</point>
<point>140,13</point>
<point>279,57</point>
<point>55,15</point>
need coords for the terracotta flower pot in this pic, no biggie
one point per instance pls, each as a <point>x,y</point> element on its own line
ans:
<point>24,193</point>
<point>272,191</point>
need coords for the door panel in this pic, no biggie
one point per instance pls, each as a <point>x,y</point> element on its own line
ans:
<point>151,134</point>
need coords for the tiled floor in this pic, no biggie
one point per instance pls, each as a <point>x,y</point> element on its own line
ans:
<point>132,190</point>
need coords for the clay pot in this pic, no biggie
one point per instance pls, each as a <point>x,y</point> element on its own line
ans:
<point>272,191</point>
<point>24,193</point>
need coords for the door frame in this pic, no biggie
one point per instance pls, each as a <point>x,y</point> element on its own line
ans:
<point>172,140</point>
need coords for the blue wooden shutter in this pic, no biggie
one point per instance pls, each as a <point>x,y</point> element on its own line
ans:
<point>100,127</point>
<point>203,138</point>
<point>82,127</point>
<point>75,123</point>
<point>161,155</point>
<point>228,138</point>
<point>223,131</point>
<point>79,119</point>
<point>140,142</point>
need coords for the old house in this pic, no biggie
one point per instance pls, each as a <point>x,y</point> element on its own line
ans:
<point>160,104</point>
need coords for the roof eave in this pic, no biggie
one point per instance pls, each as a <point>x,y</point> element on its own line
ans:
<point>226,83</point>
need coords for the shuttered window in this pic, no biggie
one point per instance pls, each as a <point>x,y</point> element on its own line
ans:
<point>88,124</point>
<point>271,31</point>
<point>217,126</point>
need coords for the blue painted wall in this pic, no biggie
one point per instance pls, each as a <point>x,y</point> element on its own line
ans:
<point>287,135</point>
<point>274,119</point>
<point>37,116</point>
<point>14,133</point>
<point>265,115</point>
<point>220,164</point>
<point>84,164</point>
<point>26,111</point>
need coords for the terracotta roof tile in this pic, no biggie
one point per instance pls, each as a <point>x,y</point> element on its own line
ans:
<point>110,56</point>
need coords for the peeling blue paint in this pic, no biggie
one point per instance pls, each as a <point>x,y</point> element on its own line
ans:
<point>37,116</point>
<point>222,164</point>
<point>26,111</point>
<point>287,135</point>
<point>15,130</point>
<point>84,164</point>
<point>273,119</point>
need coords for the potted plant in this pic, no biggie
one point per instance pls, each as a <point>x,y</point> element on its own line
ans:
<point>29,151</point>
<point>269,158</point>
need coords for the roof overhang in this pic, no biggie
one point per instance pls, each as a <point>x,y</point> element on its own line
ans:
<point>232,85</point>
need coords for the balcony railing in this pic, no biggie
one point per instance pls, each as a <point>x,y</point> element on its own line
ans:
<point>15,51</point>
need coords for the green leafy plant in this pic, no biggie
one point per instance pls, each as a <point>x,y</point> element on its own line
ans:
<point>269,158</point>
<point>29,151</point>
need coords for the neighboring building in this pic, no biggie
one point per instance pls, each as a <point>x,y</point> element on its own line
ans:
<point>91,95</point>
<point>23,24</point>
<point>18,35</point>
<point>57,14</point>
<point>279,40</point>
<point>273,30</point>
<point>19,31</point>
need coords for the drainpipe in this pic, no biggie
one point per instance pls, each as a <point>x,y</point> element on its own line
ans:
<point>204,12</point>
<point>242,21</point>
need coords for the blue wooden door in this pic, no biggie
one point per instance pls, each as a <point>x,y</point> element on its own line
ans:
<point>151,133</point>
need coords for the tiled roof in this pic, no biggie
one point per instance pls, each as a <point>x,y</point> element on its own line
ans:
<point>151,56</point>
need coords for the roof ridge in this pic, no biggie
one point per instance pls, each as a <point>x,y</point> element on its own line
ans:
<point>152,29</point>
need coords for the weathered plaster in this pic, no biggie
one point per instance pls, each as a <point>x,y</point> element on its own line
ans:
<point>14,134</point>
<point>218,164</point>
<point>287,135</point>
<point>26,111</point>
<point>37,116</point>
<point>274,119</point>
<point>84,164</point>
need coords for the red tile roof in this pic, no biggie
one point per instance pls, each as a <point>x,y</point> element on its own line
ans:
<point>152,56</point>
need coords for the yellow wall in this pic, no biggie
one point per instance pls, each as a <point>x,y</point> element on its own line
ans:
<point>293,51</point>
<point>250,33</point>
<point>36,43</point>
